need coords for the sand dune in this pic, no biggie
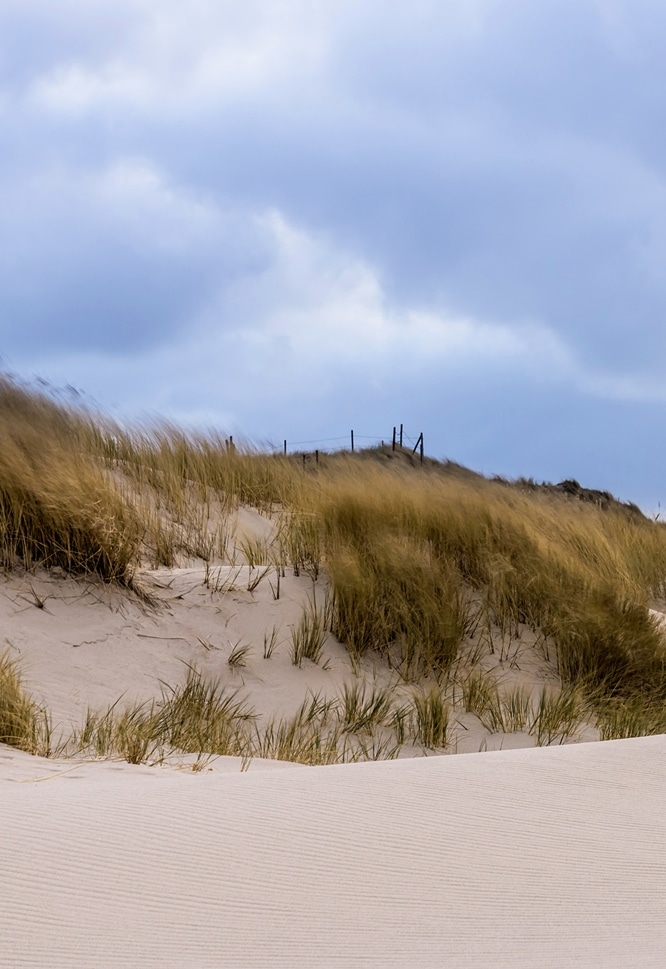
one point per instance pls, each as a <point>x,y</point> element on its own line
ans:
<point>90,645</point>
<point>533,858</point>
<point>548,857</point>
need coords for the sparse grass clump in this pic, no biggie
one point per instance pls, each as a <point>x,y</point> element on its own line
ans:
<point>130,734</point>
<point>308,637</point>
<point>558,715</point>
<point>478,691</point>
<point>238,656</point>
<point>431,715</point>
<point>270,642</point>
<point>199,717</point>
<point>301,544</point>
<point>363,707</point>
<point>306,737</point>
<point>553,716</point>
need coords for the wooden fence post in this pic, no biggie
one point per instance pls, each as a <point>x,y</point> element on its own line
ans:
<point>352,441</point>
<point>393,447</point>
<point>285,448</point>
<point>401,435</point>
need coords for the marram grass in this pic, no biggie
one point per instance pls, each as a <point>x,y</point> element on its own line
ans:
<point>415,557</point>
<point>23,722</point>
<point>57,506</point>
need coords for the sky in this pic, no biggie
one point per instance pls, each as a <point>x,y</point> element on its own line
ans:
<point>289,220</point>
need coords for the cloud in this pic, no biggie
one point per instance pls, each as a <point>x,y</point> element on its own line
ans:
<point>116,259</point>
<point>170,58</point>
<point>311,319</point>
<point>280,212</point>
<point>247,295</point>
<point>327,308</point>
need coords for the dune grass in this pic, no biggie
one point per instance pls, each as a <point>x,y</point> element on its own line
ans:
<point>431,716</point>
<point>552,716</point>
<point>205,718</point>
<point>409,569</point>
<point>199,717</point>
<point>23,723</point>
<point>416,557</point>
<point>364,707</point>
<point>308,636</point>
<point>57,507</point>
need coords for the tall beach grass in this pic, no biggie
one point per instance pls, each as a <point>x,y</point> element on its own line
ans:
<point>416,557</point>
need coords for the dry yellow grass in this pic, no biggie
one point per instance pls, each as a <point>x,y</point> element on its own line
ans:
<point>417,557</point>
<point>23,723</point>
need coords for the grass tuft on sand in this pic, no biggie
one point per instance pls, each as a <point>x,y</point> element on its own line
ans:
<point>23,723</point>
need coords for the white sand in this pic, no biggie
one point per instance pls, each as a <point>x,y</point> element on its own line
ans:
<point>552,857</point>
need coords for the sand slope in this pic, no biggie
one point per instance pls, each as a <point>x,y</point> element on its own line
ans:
<point>91,645</point>
<point>551,857</point>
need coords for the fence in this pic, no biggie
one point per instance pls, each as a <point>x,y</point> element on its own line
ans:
<point>397,439</point>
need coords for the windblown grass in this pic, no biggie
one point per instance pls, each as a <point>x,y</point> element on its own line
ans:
<point>56,505</point>
<point>408,555</point>
<point>202,717</point>
<point>23,723</point>
<point>416,557</point>
<point>306,737</point>
<point>630,717</point>
<point>130,734</point>
<point>363,708</point>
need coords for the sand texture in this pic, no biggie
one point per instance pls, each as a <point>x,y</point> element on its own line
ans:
<point>531,858</point>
